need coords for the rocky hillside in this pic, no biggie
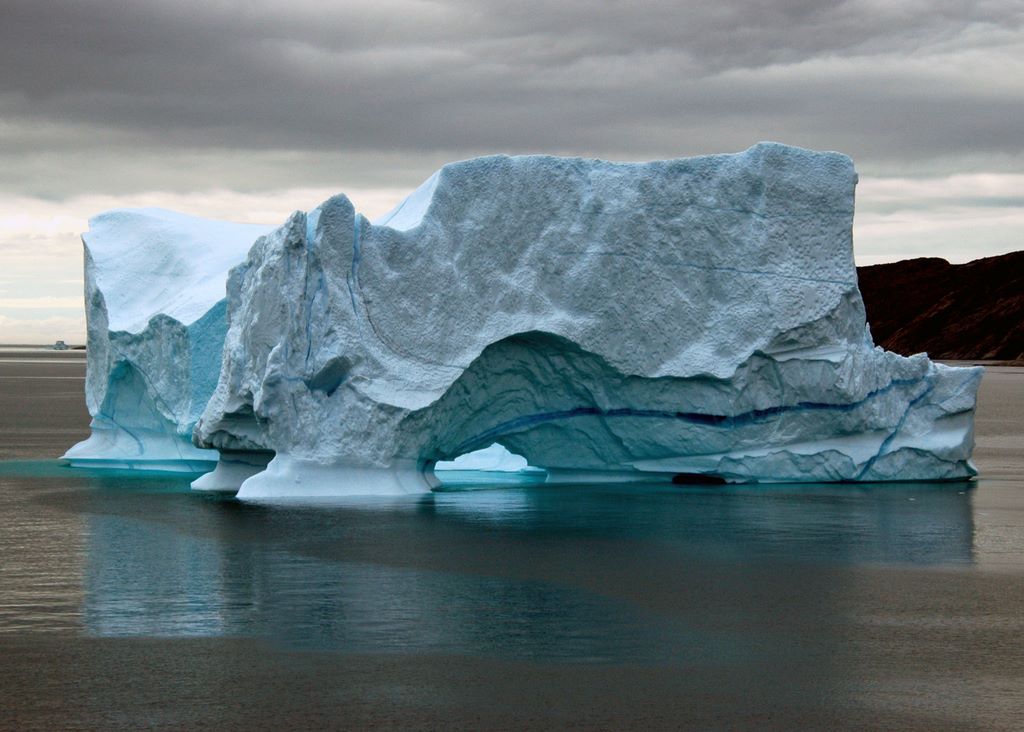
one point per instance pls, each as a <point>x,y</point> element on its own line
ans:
<point>951,311</point>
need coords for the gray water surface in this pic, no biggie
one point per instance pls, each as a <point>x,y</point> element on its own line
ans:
<point>129,601</point>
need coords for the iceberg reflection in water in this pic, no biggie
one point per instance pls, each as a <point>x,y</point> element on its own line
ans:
<point>597,573</point>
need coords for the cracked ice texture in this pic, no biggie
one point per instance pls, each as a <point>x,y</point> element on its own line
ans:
<point>156,314</point>
<point>602,320</point>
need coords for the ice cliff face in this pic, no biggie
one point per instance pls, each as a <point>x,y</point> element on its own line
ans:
<point>157,315</point>
<point>627,321</point>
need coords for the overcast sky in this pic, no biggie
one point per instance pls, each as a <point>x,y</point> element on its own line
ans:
<point>248,110</point>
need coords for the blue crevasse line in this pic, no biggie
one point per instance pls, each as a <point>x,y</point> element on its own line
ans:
<point>761,273</point>
<point>321,286</point>
<point>119,373</point>
<point>395,213</point>
<point>278,377</point>
<point>929,385</point>
<point>312,219</point>
<point>708,420</point>
<point>138,441</point>
<point>709,268</point>
<point>770,217</point>
<point>353,275</point>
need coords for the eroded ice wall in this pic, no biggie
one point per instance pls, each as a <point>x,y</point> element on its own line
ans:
<point>697,316</point>
<point>157,316</point>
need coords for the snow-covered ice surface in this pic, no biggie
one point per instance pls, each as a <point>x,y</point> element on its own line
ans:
<point>626,321</point>
<point>157,315</point>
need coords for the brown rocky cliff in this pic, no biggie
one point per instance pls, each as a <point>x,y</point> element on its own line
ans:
<point>950,311</point>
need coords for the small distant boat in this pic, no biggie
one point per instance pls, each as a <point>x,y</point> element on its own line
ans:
<point>60,346</point>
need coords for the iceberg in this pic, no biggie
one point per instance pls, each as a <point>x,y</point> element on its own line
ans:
<point>493,459</point>
<point>691,320</point>
<point>157,315</point>
<point>488,466</point>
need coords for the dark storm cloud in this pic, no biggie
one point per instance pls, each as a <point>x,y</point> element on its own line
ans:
<point>249,109</point>
<point>880,80</point>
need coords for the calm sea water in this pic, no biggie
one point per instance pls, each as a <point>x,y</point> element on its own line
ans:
<point>130,602</point>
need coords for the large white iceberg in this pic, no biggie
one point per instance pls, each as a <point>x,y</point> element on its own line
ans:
<point>696,319</point>
<point>157,315</point>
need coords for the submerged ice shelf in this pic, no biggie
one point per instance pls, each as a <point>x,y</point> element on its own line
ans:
<point>604,321</point>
